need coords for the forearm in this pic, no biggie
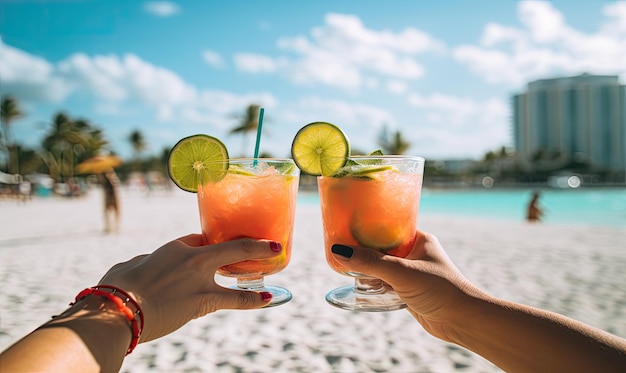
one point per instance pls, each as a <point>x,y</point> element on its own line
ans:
<point>519,338</point>
<point>89,337</point>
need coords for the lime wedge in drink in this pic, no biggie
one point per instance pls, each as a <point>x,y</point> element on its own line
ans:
<point>320,148</point>
<point>195,160</point>
<point>371,232</point>
<point>370,172</point>
<point>365,168</point>
<point>239,170</point>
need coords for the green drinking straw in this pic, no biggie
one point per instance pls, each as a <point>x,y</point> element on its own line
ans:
<point>259,128</point>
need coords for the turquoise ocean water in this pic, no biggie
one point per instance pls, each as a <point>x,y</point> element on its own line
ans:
<point>585,206</point>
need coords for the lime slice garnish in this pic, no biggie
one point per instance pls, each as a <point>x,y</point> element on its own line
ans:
<point>320,148</point>
<point>196,160</point>
<point>376,233</point>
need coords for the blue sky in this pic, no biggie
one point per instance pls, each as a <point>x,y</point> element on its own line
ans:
<point>442,72</point>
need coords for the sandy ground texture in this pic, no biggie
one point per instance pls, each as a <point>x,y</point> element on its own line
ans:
<point>50,249</point>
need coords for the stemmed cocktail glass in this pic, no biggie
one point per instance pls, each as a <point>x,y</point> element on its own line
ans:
<point>372,202</point>
<point>255,198</point>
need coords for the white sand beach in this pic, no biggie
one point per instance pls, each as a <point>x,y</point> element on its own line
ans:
<point>52,248</point>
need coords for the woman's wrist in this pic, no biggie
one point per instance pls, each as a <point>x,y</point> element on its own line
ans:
<point>126,305</point>
<point>91,333</point>
<point>464,316</point>
<point>469,323</point>
<point>93,310</point>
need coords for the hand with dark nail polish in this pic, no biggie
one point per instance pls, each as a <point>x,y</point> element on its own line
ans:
<point>516,337</point>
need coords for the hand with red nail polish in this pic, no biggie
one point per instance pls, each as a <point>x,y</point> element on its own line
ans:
<point>173,285</point>
<point>177,282</point>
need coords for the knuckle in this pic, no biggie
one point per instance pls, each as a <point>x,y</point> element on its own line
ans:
<point>368,257</point>
<point>248,246</point>
<point>245,299</point>
<point>430,237</point>
<point>205,306</point>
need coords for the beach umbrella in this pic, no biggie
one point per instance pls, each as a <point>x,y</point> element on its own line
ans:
<point>98,164</point>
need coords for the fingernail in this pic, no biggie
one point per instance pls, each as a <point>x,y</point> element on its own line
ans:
<point>345,251</point>
<point>266,296</point>
<point>275,246</point>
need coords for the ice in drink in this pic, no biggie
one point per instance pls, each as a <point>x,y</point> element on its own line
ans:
<point>255,202</point>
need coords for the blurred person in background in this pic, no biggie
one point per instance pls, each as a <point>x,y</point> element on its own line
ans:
<point>534,212</point>
<point>110,183</point>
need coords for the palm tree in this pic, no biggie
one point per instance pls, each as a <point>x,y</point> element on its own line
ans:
<point>489,157</point>
<point>9,111</point>
<point>29,160</point>
<point>96,142</point>
<point>504,152</point>
<point>138,142</point>
<point>92,140</point>
<point>248,122</point>
<point>65,139</point>
<point>393,143</point>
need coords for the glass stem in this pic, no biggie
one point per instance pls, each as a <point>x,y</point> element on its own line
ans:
<point>250,283</point>
<point>368,285</point>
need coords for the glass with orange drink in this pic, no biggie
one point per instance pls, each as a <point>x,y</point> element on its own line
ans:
<point>372,201</point>
<point>255,198</point>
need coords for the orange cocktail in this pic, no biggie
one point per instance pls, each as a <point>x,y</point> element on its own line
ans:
<point>373,203</point>
<point>257,199</point>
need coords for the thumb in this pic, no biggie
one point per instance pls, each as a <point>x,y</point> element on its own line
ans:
<point>369,262</point>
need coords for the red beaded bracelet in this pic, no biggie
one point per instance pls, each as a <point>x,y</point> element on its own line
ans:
<point>122,300</point>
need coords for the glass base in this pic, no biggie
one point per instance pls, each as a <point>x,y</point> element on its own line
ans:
<point>348,298</point>
<point>280,295</point>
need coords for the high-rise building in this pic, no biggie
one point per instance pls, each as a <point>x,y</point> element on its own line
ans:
<point>573,120</point>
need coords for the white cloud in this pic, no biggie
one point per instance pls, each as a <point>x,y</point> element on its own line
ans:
<point>495,34</point>
<point>360,122</point>
<point>345,54</point>
<point>102,75</point>
<point>397,87</point>
<point>212,58</point>
<point>462,112</point>
<point>546,46</point>
<point>127,79</point>
<point>254,63</point>
<point>616,23</point>
<point>347,114</point>
<point>441,126</point>
<point>161,8</point>
<point>215,106</point>
<point>319,66</point>
<point>545,24</point>
<point>119,82</point>
<point>456,126</point>
<point>30,77</point>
